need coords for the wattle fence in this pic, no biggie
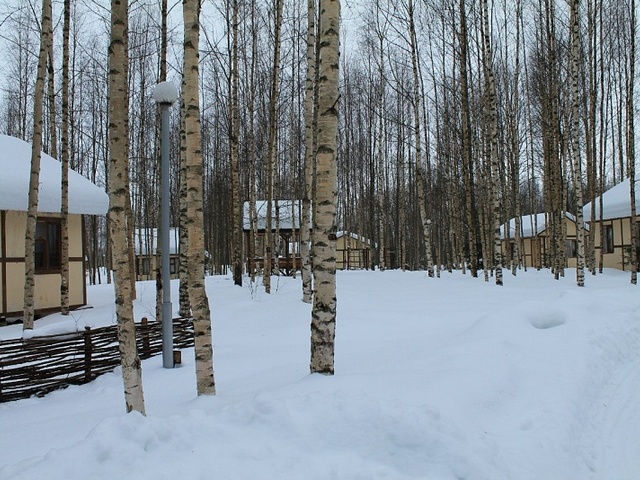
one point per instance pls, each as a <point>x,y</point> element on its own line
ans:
<point>39,365</point>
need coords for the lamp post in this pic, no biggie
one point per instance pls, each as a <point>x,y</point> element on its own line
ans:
<point>166,94</point>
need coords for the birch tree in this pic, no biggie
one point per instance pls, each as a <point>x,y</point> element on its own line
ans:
<point>118,200</point>
<point>575,136</point>
<point>203,344</point>
<point>34,178</point>
<point>310,118</point>
<point>323,316</point>
<point>631,145</point>
<point>272,157</point>
<point>493,141</point>
<point>234,132</point>
<point>64,140</point>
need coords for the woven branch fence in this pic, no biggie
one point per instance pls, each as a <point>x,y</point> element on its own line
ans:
<point>39,365</point>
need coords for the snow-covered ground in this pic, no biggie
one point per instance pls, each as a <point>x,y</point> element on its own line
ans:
<point>447,378</point>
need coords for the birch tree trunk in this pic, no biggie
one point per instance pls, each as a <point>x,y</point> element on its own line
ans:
<point>310,113</point>
<point>493,142</point>
<point>118,199</point>
<point>34,178</point>
<point>380,176</point>
<point>64,140</point>
<point>323,316</point>
<point>253,216</point>
<point>631,145</point>
<point>422,200</point>
<point>467,164</point>
<point>575,136</point>
<point>195,219</point>
<point>236,236</point>
<point>185,305</point>
<point>273,130</point>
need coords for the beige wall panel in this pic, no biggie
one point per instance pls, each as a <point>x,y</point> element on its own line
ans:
<point>76,280</point>
<point>15,287</point>
<point>16,226</point>
<point>75,236</point>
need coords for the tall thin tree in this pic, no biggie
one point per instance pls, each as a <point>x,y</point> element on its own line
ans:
<point>118,201</point>
<point>34,178</point>
<point>323,316</point>
<point>575,136</point>
<point>64,140</point>
<point>195,219</point>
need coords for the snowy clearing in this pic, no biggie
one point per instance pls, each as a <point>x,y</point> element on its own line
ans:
<point>447,378</point>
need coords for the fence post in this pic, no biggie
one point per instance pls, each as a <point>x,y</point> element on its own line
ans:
<point>88,350</point>
<point>144,333</point>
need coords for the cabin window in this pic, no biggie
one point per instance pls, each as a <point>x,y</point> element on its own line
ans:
<point>173,265</point>
<point>145,266</point>
<point>571,248</point>
<point>607,239</point>
<point>48,254</point>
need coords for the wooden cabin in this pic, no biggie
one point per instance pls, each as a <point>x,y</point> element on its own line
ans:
<point>85,198</point>
<point>615,225</point>
<point>145,247</point>
<point>353,252</point>
<point>285,216</point>
<point>535,241</point>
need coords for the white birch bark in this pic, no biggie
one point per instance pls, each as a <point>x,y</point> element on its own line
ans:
<point>34,178</point>
<point>575,137</point>
<point>195,221</point>
<point>323,316</point>
<point>310,157</point>
<point>118,200</point>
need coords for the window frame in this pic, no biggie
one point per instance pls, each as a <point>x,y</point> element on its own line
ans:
<point>45,267</point>
<point>608,245</point>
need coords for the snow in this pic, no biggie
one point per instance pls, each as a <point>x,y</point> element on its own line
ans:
<point>533,223</point>
<point>165,92</point>
<point>150,239</point>
<point>15,164</point>
<point>616,202</point>
<point>341,233</point>
<point>449,378</point>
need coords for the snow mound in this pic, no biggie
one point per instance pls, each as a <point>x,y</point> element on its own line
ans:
<point>543,320</point>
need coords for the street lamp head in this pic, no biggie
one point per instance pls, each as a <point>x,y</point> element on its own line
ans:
<point>165,93</point>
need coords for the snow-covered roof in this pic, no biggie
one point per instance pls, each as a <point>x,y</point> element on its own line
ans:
<point>616,202</point>
<point>288,208</point>
<point>342,233</point>
<point>15,170</point>
<point>532,223</point>
<point>149,239</point>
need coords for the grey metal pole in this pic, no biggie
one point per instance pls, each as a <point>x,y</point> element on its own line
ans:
<point>167,315</point>
<point>166,94</point>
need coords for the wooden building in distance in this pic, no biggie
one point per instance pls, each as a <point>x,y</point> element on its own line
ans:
<point>535,241</point>
<point>85,198</point>
<point>285,216</point>
<point>145,247</point>
<point>613,230</point>
<point>354,252</point>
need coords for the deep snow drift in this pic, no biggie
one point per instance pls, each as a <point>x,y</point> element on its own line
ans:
<point>447,378</point>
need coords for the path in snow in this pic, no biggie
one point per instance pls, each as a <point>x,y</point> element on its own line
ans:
<point>616,423</point>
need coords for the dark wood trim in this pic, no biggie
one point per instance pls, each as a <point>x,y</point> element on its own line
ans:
<point>43,311</point>
<point>84,256</point>
<point>14,259</point>
<point>3,256</point>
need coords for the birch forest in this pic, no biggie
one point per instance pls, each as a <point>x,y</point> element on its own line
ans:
<point>453,117</point>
